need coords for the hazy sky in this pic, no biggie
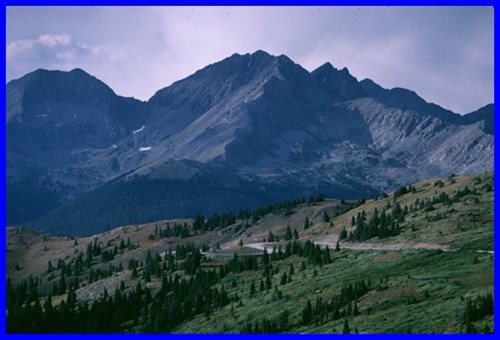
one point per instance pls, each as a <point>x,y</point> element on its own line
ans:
<point>445,54</point>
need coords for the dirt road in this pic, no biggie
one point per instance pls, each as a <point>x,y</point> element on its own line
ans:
<point>370,246</point>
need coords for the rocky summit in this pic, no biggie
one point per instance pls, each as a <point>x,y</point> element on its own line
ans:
<point>245,131</point>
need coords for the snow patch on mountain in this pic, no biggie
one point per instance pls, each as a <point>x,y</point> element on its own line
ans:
<point>139,130</point>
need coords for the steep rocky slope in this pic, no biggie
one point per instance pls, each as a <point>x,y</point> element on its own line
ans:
<point>260,127</point>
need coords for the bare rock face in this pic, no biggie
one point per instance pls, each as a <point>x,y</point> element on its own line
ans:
<point>256,127</point>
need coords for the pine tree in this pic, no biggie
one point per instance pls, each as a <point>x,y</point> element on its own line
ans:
<point>252,290</point>
<point>283,279</point>
<point>268,283</point>
<point>270,237</point>
<point>62,285</point>
<point>355,310</point>
<point>47,306</point>
<point>326,218</point>
<point>265,257</point>
<point>326,259</point>
<point>50,267</point>
<point>146,275</point>
<point>307,313</point>
<point>288,235</point>
<point>343,234</point>
<point>346,329</point>
<point>283,320</point>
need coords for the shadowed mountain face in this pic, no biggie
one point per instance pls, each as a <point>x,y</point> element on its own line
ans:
<point>62,128</point>
<point>253,128</point>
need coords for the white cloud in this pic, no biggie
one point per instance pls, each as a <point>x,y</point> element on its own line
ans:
<point>53,40</point>
<point>48,48</point>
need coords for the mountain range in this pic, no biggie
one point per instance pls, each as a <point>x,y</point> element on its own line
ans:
<point>240,133</point>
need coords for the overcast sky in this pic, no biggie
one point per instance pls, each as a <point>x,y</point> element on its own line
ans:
<point>445,54</point>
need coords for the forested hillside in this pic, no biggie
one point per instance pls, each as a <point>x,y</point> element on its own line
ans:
<point>416,260</point>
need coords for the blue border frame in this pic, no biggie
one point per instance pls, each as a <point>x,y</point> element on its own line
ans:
<point>250,3</point>
<point>4,194</point>
<point>229,3</point>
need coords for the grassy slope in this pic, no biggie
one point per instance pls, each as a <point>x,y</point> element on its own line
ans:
<point>440,281</point>
<point>465,225</point>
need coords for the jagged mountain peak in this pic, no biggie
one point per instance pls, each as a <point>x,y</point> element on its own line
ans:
<point>326,67</point>
<point>368,81</point>
<point>214,80</point>
<point>345,85</point>
<point>255,54</point>
<point>262,56</point>
<point>217,81</point>
<point>247,60</point>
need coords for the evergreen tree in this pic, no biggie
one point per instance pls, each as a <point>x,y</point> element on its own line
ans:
<point>355,310</point>
<point>346,329</point>
<point>307,313</point>
<point>326,218</point>
<point>268,283</point>
<point>252,290</point>
<point>343,234</point>
<point>50,267</point>
<point>283,279</point>
<point>265,257</point>
<point>270,237</point>
<point>288,235</point>
<point>62,285</point>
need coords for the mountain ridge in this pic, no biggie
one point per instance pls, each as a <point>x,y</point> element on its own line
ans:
<point>261,120</point>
